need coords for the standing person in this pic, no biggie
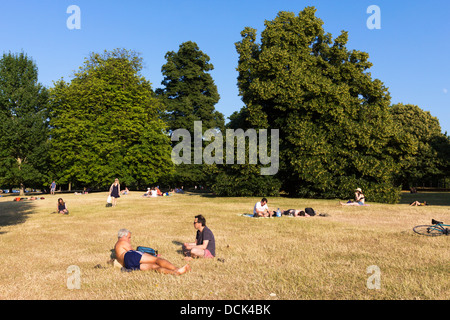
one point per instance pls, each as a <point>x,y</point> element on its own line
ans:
<point>135,260</point>
<point>261,209</point>
<point>53,187</point>
<point>61,207</point>
<point>204,245</point>
<point>114,192</point>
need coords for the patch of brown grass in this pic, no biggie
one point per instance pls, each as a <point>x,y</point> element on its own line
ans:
<point>280,258</point>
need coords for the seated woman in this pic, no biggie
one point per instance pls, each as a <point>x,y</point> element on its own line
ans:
<point>359,199</point>
<point>62,208</point>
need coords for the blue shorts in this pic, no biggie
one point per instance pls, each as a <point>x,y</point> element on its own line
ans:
<point>132,260</point>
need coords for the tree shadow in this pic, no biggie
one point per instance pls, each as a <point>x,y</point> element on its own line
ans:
<point>12,213</point>
<point>432,198</point>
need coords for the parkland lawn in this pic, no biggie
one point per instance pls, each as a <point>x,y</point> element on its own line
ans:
<point>332,257</point>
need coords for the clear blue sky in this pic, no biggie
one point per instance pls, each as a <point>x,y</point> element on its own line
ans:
<point>410,52</point>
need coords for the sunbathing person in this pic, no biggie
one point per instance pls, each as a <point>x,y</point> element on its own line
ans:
<point>295,213</point>
<point>418,204</point>
<point>135,260</point>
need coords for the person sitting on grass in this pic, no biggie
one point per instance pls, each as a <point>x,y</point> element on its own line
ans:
<point>136,260</point>
<point>359,199</point>
<point>62,207</point>
<point>261,209</point>
<point>204,245</point>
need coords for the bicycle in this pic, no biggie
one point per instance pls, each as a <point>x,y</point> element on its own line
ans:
<point>437,228</point>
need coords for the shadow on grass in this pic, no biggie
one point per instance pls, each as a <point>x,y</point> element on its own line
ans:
<point>201,194</point>
<point>432,198</point>
<point>12,213</point>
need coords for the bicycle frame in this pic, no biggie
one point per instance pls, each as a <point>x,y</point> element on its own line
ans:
<point>440,227</point>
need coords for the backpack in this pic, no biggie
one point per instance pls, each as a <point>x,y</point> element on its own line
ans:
<point>310,211</point>
<point>148,250</point>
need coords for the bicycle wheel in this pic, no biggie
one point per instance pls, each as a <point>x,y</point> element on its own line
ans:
<point>428,230</point>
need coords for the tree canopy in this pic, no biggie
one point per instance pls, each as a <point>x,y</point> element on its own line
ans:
<point>334,119</point>
<point>189,91</point>
<point>105,124</point>
<point>189,95</point>
<point>23,123</point>
<point>334,124</point>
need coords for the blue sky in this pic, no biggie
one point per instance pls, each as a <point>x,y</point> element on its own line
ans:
<point>410,52</point>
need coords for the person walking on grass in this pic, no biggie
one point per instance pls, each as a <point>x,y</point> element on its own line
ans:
<point>53,188</point>
<point>136,260</point>
<point>114,192</point>
<point>204,245</point>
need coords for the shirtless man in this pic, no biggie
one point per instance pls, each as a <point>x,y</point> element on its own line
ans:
<point>136,260</point>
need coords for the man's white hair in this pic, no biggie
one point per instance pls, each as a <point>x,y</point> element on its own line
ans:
<point>123,233</point>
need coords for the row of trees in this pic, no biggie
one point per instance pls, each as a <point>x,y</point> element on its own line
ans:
<point>338,129</point>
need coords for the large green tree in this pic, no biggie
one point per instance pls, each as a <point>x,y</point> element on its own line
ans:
<point>334,120</point>
<point>190,94</point>
<point>189,91</point>
<point>23,124</point>
<point>105,124</point>
<point>426,159</point>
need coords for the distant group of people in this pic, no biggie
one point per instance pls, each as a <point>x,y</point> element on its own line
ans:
<point>203,247</point>
<point>262,210</point>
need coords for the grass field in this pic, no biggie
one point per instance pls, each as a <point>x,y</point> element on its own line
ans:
<point>264,259</point>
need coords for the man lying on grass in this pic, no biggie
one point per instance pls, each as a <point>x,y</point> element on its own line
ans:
<point>135,260</point>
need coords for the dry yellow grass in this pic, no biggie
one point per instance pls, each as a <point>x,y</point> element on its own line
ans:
<point>281,258</point>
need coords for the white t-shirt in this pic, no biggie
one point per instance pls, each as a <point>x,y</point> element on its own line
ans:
<point>153,193</point>
<point>259,207</point>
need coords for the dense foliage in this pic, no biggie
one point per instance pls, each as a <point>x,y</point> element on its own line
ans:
<point>105,124</point>
<point>333,118</point>
<point>337,128</point>
<point>23,124</point>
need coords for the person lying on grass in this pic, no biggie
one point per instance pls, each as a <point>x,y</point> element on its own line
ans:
<point>418,204</point>
<point>204,245</point>
<point>135,260</point>
<point>296,213</point>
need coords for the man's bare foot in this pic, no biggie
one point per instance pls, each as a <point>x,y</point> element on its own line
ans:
<point>188,258</point>
<point>184,269</point>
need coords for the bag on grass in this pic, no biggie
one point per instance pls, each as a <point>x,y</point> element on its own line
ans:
<point>310,211</point>
<point>148,250</point>
<point>109,201</point>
